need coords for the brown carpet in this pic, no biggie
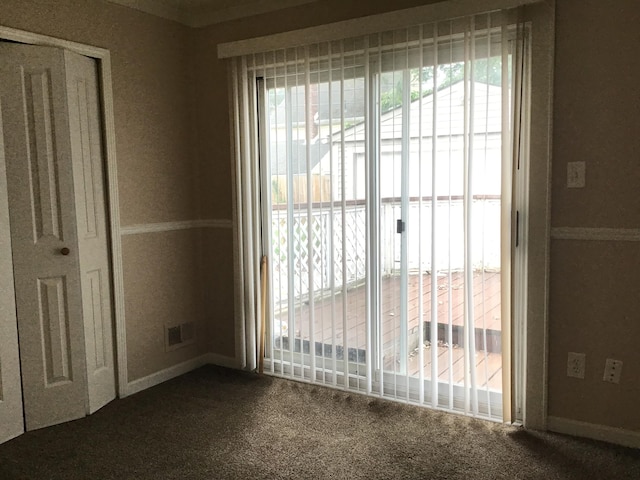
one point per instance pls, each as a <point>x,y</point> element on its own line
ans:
<point>215,423</point>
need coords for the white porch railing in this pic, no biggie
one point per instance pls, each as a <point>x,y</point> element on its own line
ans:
<point>326,230</point>
<point>328,265</point>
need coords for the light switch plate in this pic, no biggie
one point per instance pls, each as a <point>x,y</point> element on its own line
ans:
<point>576,174</point>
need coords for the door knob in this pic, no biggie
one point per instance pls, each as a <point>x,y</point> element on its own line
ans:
<point>65,251</point>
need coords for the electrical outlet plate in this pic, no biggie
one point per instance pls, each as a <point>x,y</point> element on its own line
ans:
<point>612,370</point>
<point>576,364</point>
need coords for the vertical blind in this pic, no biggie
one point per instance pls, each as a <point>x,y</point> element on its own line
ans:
<point>375,175</point>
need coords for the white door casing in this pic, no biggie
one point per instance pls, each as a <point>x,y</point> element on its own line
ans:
<point>11,415</point>
<point>54,120</point>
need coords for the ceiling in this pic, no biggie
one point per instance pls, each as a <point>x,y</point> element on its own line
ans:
<point>200,13</point>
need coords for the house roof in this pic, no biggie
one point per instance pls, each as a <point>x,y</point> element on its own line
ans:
<point>280,164</point>
<point>450,111</point>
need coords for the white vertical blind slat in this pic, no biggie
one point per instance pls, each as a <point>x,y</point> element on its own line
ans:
<point>376,134</point>
<point>343,206</point>
<point>505,229</point>
<point>332,247</point>
<point>434,227</point>
<point>298,225</point>
<point>276,330</point>
<point>404,259</point>
<point>239,253</point>
<point>471,237</point>
<point>421,314</point>
<point>291,312</point>
<point>467,247</point>
<point>249,221</point>
<point>518,197</point>
<point>310,218</point>
<point>450,234</point>
<point>485,350</point>
<point>370,223</point>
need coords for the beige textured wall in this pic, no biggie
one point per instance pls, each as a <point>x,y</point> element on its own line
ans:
<point>594,310</point>
<point>154,147</point>
<point>161,289</point>
<point>595,286</point>
<point>218,302</point>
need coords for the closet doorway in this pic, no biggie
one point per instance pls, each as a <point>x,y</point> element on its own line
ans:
<point>57,342</point>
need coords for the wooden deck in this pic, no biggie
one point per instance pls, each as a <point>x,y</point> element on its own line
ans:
<point>450,363</point>
<point>331,313</point>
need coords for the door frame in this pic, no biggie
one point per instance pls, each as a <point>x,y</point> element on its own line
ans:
<point>542,15</point>
<point>103,59</point>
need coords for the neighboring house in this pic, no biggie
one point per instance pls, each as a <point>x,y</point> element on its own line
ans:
<point>332,155</point>
<point>482,147</point>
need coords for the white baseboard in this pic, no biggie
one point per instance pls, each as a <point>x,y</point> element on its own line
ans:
<point>10,437</point>
<point>222,361</point>
<point>166,374</point>
<point>177,370</point>
<point>619,436</point>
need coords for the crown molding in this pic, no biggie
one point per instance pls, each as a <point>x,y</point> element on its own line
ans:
<point>158,9</point>
<point>206,15</point>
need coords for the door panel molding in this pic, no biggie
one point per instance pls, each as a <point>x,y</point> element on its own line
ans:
<point>54,323</point>
<point>89,206</point>
<point>103,58</point>
<point>96,316</point>
<point>42,156</point>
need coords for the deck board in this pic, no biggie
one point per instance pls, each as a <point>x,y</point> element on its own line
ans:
<point>328,321</point>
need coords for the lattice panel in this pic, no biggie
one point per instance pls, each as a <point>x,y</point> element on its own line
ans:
<point>327,251</point>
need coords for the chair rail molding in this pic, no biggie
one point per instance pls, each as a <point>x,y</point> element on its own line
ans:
<point>173,226</point>
<point>596,234</point>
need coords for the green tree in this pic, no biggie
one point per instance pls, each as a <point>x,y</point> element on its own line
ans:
<point>485,70</point>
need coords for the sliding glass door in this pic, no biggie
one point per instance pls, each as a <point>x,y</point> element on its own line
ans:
<point>383,213</point>
<point>439,169</point>
<point>316,216</point>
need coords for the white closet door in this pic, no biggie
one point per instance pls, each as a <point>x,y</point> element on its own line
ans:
<point>33,92</point>
<point>59,244</point>
<point>11,416</point>
<point>88,173</point>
